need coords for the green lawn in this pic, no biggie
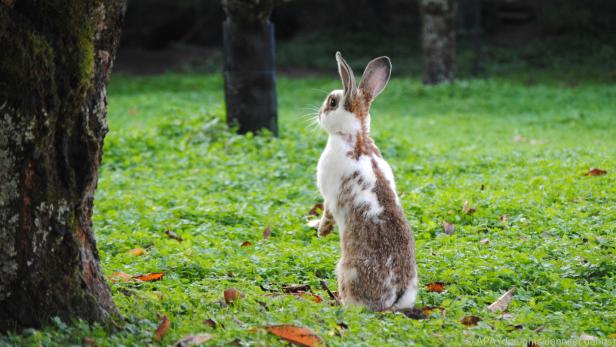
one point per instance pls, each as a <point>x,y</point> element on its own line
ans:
<point>506,146</point>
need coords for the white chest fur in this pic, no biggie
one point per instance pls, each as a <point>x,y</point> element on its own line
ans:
<point>335,164</point>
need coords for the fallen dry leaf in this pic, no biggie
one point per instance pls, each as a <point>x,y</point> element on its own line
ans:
<point>137,251</point>
<point>503,218</point>
<point>311,296</point>
<point>435,287</point>
<point>232,295</point>
<point>301,336</point>
<point>88,341</point>
<point>172,235</point>
<point>193,340</point>
<point>295,288</point>
<point>470,320</point>
<point>162,329</point>
<point>503,302</point>
<point>413,313</point>
<point>267,232</point>
<point>595,172</point>
<point>153,276</point>
<point>210,323</point>
<point>427,310</point>
<point>246,244</point>
<point>469,210</point>
<point>120,276</point>
<point>448,228</point>
<point>314,211</point>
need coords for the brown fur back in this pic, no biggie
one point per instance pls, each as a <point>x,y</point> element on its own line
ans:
<point>369,243</point>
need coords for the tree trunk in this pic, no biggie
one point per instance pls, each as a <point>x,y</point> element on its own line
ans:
<point>54,67</point>
<point>250,80</point>
<point>438,40</point>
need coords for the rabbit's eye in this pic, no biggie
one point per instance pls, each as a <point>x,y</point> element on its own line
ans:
<point>332,102</point>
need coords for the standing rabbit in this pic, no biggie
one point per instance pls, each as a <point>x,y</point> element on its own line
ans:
<point>377,268</point>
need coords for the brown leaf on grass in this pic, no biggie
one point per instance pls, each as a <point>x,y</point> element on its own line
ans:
<point>413,313</point>
<point>503,302</point>
<point>315,210</point>
<point>448,228</point>
<point>137,252</point>
<point>300,336</point>
<point>162,329</point>
<point>120,277</point>
<point>503,218</point>
<point>467,209</point>
<point>246,244</point>
<point>595,172</point>
<point>267,232</point>
<point>435,287</point>
<point>193,340</point>
<point>232,295</point>
<point>210,323</point>
<point>88,341</point>
<point>172,235</point>
<point>311,296</point>
<point>470,320</point>
<point>428,310</point>
<point>153,276</point>
<point>295,288</point>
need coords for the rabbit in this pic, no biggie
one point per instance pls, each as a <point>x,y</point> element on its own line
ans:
<point>377,268</point>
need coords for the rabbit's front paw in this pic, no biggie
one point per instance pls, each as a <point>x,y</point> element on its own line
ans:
<point>314,223</point>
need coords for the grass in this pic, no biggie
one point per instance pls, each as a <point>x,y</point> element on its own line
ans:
<point>506,147</point>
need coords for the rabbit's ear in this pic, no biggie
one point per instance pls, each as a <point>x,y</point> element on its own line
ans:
<point>346,75</point>
<point>375,77</point>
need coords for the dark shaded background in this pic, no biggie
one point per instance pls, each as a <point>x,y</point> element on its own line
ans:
<point>519,35</point>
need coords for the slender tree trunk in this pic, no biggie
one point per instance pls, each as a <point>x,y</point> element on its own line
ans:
<point>55,63</point>
<point>250,80</point>
<point>438,40</point>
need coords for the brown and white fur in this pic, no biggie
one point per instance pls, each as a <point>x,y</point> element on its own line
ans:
<point>377,268</point>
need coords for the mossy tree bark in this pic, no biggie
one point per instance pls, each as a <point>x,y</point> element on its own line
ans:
<point>438,37</point>
<point>54,67</point>
<point>250,82</point>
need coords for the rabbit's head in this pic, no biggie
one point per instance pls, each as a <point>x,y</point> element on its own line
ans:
<point>346,111</point>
